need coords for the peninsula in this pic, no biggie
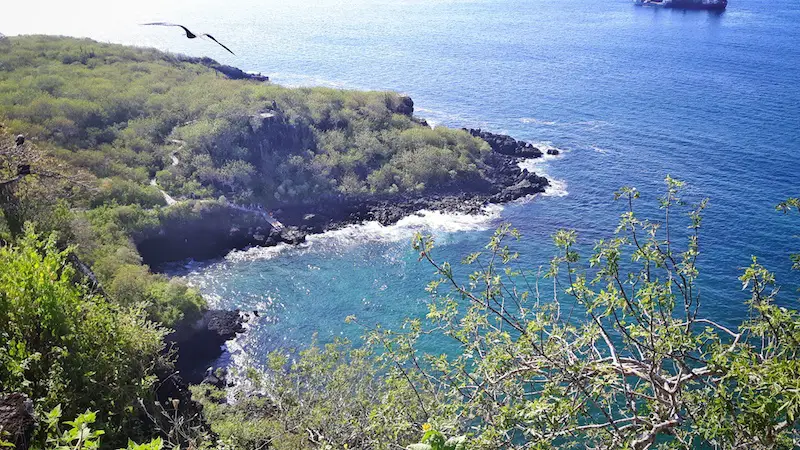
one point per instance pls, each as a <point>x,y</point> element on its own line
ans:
<point>192,158</point>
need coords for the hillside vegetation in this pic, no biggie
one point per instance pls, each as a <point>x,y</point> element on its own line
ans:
<point>122,112</point>
<point>113,118</point>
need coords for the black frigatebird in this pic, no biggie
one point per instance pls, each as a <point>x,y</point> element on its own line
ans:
<point>189,34</point>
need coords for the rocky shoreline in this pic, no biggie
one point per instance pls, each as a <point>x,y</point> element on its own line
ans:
<point>216,230</point>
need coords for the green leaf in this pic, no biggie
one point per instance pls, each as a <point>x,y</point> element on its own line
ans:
<point>419,447</point>
<point>456,443</point>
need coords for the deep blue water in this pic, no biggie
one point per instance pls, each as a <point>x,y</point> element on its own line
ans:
<point>632,94</point>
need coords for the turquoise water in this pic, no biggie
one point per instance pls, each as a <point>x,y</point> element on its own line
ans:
<point>631,94</point>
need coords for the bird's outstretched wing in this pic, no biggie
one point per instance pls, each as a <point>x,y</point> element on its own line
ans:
<point>220,43</point>
<point>189,34</point>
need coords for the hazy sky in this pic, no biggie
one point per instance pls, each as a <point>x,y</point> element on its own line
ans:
<point>239,23</point>
<point>82,17</point>
<point>107,19</point>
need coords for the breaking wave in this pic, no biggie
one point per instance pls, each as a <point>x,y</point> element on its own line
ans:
<point>423,221</point>
<point>557,188</point>
<point>591,124</point>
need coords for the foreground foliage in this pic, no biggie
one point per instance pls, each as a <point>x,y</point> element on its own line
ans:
<point>331,396</point>
<point>62,345</point>
<point>618,356</point>
<point>623,358</point>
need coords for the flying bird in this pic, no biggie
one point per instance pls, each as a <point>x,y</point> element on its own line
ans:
<point>189,34</point>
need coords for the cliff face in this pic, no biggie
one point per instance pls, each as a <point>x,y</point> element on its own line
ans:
<point>200,343</point>
<point>202,230</point>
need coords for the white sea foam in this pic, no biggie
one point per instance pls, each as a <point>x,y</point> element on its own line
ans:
<point>372,231</point>
<point>557,188</point>
<point>429,221</point>
<point>261,253</point>
<point>535,121</point>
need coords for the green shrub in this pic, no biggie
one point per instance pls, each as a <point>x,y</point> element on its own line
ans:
<point>119,112</point>
<point>59,344</point>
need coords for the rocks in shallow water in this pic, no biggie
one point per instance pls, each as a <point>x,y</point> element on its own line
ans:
<point>552,151</point>
<point>16,420</point>
<point>506,145</point>
<point>529,185</point>
<point>292,235</point>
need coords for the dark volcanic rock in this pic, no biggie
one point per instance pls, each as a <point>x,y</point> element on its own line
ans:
<point>406,106</point>
<point>205,230</point>
<point>506,145</point>
<point>529,184</point>
<point>17,419</point>
<point>199,343</point>
<point>231,72</point>
<point>552,151</point>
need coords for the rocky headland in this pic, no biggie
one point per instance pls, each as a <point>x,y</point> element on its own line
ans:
<point>212,229</point>
<point>209,229</point>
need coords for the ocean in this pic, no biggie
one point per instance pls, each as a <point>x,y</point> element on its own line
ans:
<point>628,94</point>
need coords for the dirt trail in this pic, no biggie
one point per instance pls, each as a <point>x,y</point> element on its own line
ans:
<point>175,161</point>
